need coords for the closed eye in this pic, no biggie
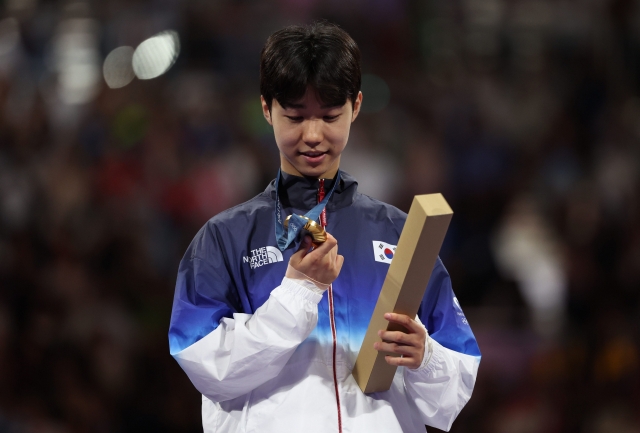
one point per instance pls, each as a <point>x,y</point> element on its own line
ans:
<point>296,119</point>
<point>331,118</point>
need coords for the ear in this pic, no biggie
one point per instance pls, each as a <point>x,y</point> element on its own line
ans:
<point>265,110</point>
<point>356,106</point>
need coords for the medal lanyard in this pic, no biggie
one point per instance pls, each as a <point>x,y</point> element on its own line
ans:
<point>323,214</point>
<point>296,222</point>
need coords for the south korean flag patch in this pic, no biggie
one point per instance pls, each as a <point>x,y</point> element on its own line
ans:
<point>383,252</point>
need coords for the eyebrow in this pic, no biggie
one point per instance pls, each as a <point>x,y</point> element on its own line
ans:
<point>302,106</point>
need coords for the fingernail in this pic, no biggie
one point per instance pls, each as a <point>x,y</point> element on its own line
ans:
<point>387,316</point>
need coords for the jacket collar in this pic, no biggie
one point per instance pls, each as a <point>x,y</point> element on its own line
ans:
<point>301,192</point>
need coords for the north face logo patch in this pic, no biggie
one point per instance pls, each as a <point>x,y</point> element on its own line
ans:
<point>263,256</point>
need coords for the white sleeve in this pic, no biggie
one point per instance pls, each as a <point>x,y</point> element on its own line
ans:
<point>246,351</point>
<point>442,385</point>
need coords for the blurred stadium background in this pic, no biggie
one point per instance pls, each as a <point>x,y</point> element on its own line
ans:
<point>125,125</point>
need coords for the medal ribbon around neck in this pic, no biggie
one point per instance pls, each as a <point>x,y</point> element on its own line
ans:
<point>296,222</point>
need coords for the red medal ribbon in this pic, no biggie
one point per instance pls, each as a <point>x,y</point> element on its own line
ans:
<point>323,215</point>
<point>332,320</point>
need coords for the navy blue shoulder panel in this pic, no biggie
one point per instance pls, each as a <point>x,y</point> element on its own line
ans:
<point>205,288</point>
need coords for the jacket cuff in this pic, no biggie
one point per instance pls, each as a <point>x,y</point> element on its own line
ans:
<point>434,360</point>
<point>299,289</point>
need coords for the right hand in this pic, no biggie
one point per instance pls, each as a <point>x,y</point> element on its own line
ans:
<point>322,264</point>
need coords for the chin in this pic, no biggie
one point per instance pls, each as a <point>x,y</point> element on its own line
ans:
<point>312,172</point>
<point>307,170</point>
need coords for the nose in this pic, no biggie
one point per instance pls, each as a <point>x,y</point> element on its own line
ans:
<point>312,132</point>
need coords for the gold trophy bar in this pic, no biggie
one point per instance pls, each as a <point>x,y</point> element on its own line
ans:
<point>404,286</point>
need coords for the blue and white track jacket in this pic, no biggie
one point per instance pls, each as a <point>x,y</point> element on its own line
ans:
<point>260,347</point>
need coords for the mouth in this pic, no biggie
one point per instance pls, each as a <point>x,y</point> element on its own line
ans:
<point>314,156</point>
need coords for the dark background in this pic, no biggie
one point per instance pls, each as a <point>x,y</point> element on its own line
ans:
<point>523,113</point>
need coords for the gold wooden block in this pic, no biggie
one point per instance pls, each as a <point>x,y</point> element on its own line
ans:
<point>404,285</point>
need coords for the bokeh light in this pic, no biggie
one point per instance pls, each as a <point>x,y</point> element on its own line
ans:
<point>117,68</point>
<point>156,55</point>
<point>77,60</point>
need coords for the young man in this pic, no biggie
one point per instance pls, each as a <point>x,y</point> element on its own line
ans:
<point>268,330</point>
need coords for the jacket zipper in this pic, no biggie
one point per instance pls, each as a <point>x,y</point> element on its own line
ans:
<point>323,222</point>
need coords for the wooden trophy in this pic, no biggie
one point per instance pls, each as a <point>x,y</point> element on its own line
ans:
<point>404,285</point>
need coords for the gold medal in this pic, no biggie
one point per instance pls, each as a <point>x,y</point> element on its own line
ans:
<point>317,232</point>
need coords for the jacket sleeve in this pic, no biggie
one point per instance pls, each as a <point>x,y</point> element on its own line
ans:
<point>443,384</point>
<point>225,352</point>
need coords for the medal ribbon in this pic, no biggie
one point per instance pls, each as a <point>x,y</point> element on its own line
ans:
<point>323,215</point>
<point>296,223</point>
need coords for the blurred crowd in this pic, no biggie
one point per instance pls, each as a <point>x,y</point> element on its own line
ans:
<point>525,114</point>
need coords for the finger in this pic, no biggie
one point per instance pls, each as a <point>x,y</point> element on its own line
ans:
<point>339,262</point>
<point>331,255</point>
<point>303,250</point>
<point>400,337</point>
<point>382,346</point>
<point>402,362</point>
<point>404,320</point>
<point>326,246</point>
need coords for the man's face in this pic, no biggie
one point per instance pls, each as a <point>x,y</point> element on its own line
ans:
<point>310,135</point>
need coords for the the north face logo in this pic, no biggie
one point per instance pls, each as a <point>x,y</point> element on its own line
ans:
<point>263,256</point>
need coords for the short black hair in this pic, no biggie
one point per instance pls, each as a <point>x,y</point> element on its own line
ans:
<point>320,55</point>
